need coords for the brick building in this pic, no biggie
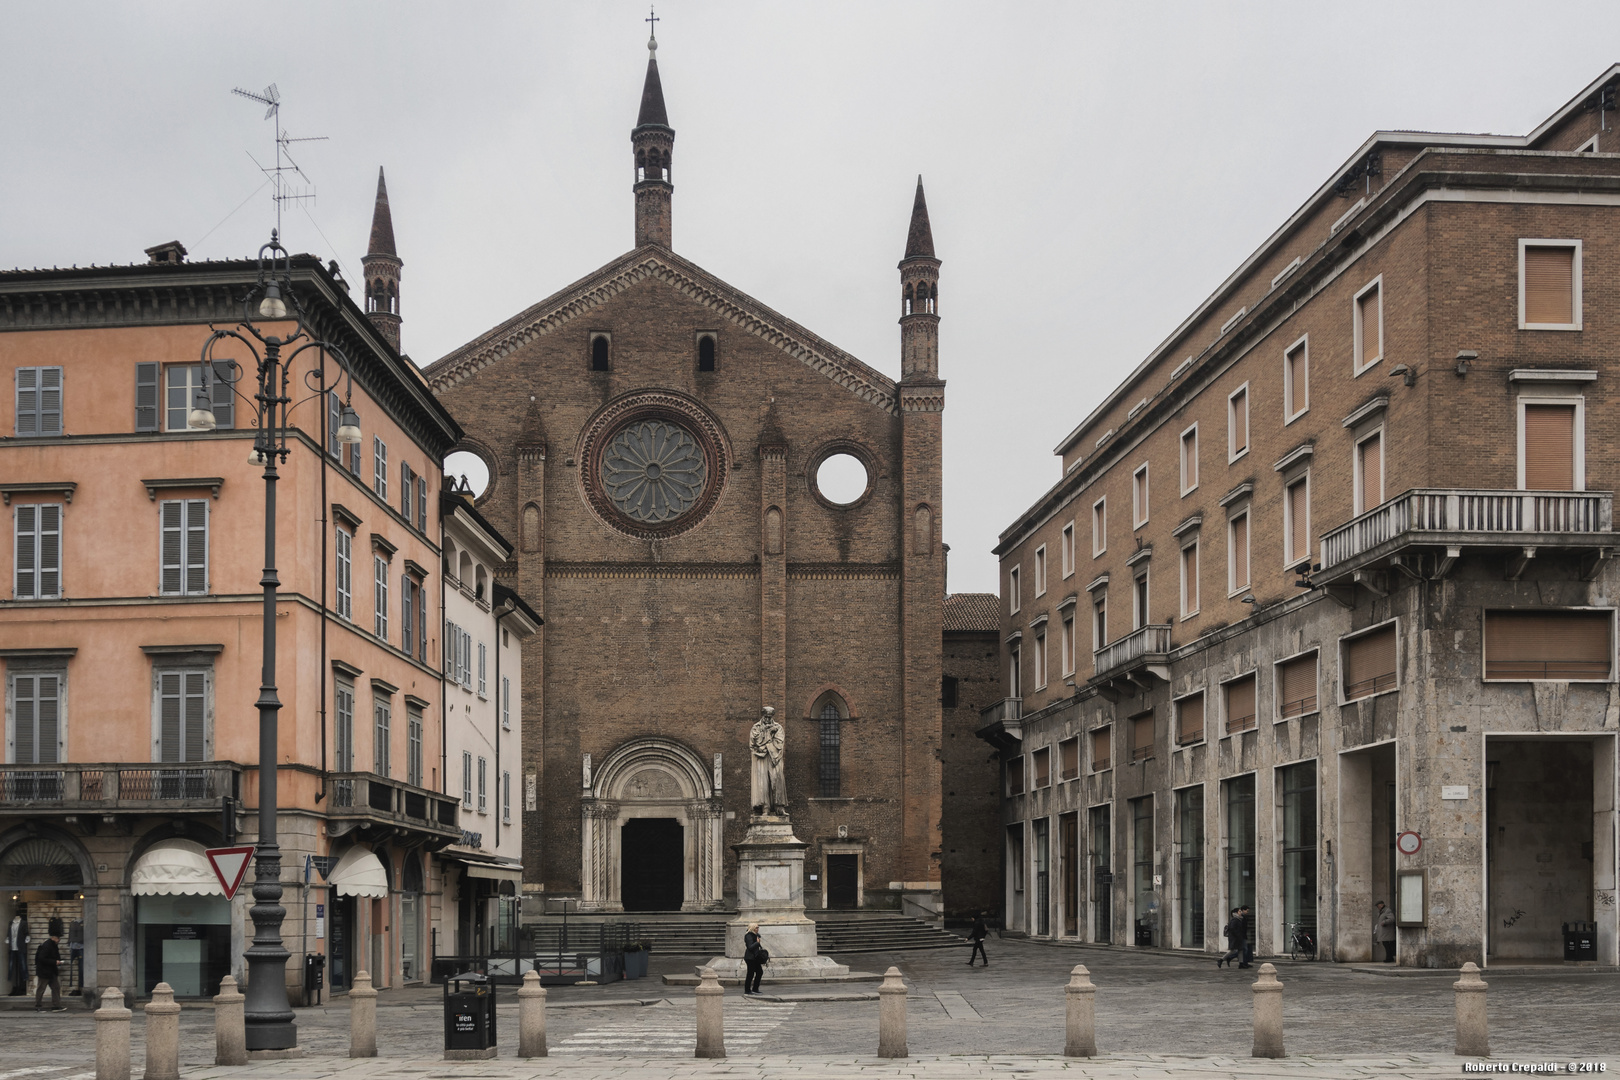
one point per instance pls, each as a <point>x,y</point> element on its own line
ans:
<point>1322,611</point>
<point>970,862</point>
<point>662,449</point>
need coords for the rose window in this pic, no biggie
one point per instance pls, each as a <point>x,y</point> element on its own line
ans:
<point>653,471</point>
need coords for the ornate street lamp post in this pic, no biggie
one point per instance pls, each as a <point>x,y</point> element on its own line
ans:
<point>269,1017</point>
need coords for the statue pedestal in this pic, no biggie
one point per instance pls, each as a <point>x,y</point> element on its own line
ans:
<point>770,891</point>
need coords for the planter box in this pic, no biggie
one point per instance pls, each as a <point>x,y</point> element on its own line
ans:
<point>635,965</point>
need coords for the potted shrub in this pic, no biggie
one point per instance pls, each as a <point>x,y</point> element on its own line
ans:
<point>636,954</point>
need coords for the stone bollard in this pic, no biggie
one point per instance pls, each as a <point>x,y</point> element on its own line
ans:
<point>163,1034</point>
<point>112,1037</point>
<point>1081,1029</point>
<point>892,1016</point>
<point>230,1036</point>
<point>531,1017</point>
<point>1268,1031</point>
<point>362,1016</point>
<point>711,1041</point>
<point>1473,1032</point>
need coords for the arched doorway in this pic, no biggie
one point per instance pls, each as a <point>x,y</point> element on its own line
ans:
<point>651,831</point>
<point>41,882</point>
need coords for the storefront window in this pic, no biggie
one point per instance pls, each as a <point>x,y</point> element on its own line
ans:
<point>184,941</point>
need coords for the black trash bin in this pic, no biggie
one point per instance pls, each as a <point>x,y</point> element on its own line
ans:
<point>1580,941</point>
<point>469,1017</point>
<point>314,978</point>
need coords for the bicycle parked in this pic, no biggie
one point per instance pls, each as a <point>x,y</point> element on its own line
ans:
<point>1301,941</point>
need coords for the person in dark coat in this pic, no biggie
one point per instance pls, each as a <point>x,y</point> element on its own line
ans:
<point>46,962</point>
<point>752,957</point>
<point>1237,939</point>
<point>978,934</point>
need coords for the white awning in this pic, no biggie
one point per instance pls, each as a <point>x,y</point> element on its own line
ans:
<point>174,867</point>
<point>359,873</point>
<point>495,873</point>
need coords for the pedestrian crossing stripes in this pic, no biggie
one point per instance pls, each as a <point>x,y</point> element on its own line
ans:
<point>672,1030</point>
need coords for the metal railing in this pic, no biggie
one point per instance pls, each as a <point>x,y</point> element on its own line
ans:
<point>1151,640</point>
<point>1459,510</point>
<point>106,786</point>
<point>360,794</point>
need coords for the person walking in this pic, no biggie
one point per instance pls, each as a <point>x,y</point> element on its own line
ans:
<point>755,958</point>
<point>1248,943</point>
<point>1384,931</point>
<point>46,962</point>
<point>978,934</point>
<point>1237,933</point>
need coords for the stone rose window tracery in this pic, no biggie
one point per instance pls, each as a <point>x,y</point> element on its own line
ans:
<point>653,471</point>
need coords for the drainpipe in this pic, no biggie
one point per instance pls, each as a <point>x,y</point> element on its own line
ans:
<point>505,610</point>
<point>326,526</point>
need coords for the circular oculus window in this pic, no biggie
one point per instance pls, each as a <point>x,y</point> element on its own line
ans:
<point>842,478</point>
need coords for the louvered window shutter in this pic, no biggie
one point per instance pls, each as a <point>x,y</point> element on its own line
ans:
<point>48,746</point>
<point>27,553</point>
<point>50,401</point>
<point>196,546</point>
<point>146,397</point>
<point>172,570</point>
<point>421,624</point>
<point>1549,285</point>
<point>221,394</point>
<point>334,415</point>
<point>26,691</point>
<point>1369,663</point>
<point>421,503</point>
<point>1549,447</point>
<point>169,718</point>
<point>1297,687</point>
<point>405,488</point>
<point>407,616</point>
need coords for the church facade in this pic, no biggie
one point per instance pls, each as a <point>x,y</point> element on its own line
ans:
<point>658,446</point>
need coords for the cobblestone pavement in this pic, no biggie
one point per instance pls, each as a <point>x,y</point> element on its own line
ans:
<point>1157,1015</point>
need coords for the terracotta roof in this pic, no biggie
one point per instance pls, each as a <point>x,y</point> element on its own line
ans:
<point>920,238</point>
<point>976,612</point>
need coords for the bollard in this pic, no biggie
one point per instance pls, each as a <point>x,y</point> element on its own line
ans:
<point>531,1017</point>
<point>1081,1029</point>
<point>362,1016</point>
<point>1473,1032</point>
<point>230,1036</point>
<point>711,1041</point>
<point>112,1037</point>
<point>1268,1031</point>
<point>892,1016</point>
<point>162,1034</point>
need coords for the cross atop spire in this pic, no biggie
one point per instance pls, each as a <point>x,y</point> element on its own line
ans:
<point>652,20</point>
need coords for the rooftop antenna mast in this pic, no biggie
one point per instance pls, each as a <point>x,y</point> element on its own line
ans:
<point>280,191</point>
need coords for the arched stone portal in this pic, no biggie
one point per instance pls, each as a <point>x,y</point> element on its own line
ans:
<point>652,778</point>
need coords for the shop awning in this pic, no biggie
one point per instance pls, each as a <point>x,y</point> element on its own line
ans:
<point>359,873</point>
<point>172,868</point>
<point>490,867</point>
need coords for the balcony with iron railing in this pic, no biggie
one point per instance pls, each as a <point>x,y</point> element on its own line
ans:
<point>117,787</point>
<point>1138,657</point>
<point>367,801</point>
<point>1001,724</point>
<point>1441,523</point>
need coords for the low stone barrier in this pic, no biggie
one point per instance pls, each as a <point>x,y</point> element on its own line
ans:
<point>892,1016</point>
<point>230,1032</point>
<point>711,1040</point>
<point>362,1016</point>
<point>1268,1024</point>
<point>112,1037</point>
<point>531,1017</point>
<point>163,1034</point>
<point>1473,1031</point>
<point>1080,1029</point>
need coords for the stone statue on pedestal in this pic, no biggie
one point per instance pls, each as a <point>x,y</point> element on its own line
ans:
<point>766,740</point>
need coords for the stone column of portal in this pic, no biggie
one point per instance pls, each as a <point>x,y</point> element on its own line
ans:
<point>530,514</point>
<point>773,567</point>
<point>112,1036</point>
<point>163,1034</point>
<point>1080,1031</point>
<point>230,1033</point>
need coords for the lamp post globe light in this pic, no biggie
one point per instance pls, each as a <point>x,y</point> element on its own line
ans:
<point>267,1013</point>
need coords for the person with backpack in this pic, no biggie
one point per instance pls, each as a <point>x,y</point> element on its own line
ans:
<point>46,962</point>
<point>756,958</point>
<point>978,934</point>
<point>1237,939</point>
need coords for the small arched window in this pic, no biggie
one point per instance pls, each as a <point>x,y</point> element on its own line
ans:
<point>830,712</point>
<point>906,310</point>
<point>933,299</point>
<point>706,352</point>
<point>599,352</point>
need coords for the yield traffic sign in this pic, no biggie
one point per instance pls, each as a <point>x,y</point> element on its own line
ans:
<point>230,866</point>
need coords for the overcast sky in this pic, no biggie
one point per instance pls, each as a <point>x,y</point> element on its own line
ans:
<point>1093,171</point>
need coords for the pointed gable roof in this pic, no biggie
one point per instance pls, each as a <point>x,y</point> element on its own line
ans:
<point>382,222</point>
<point>919,238</point>
<point>652,99</point>
<point>740,309</point>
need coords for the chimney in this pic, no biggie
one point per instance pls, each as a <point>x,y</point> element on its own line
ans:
<point>171,254</point>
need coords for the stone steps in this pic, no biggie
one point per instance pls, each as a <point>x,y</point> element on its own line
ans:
<point>841,932</point>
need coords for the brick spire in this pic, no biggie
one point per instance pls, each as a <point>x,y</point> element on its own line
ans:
<point>653,141</point>
<point>381,268</point>
<point>382,222</point>
<point>920,238</point>
<point>919,297</point>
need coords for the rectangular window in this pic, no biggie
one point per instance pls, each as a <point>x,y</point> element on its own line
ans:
<point>483,785</point>
<point>1099,622</point>
<point>184,548</point>
<point>1068,759</point>
<point>39,401</point>
<point>380,614</point>
<point>1552,449</point>
<point>506,798</point>
<point>947,692</point>
<point>1297,379</point>
<point>1189,580</point>
<point>421,504</point>
<point>381,736</point>
<point>1240,715</point>
<point>1067,642</point>
<point>1040,660</point>
<point>1190,846</point>
<point>186,390</point>
<point>1369,663</point>
<point>1563,645</point>
<point>343,579</point>
<point>1190,719</point>
<point>483,653</point>
<point>1068,549</point>
<point>407,485</point>
<point>1369,472</point>
<point>1237,560</point>
<point>1189,459</point>
<point>1139,601</point>
<point>1369,325</point>
<point>1237,423</point>
<point>182,715</point>
<point>1042,760</point>
<point>379,468</point>
<point>37,551</point>
<point>1549,284</point>
<point>1299,838</point>
<point>1296,686</point>
<point>1102,749</point>
<point>1015,776</point>
<point>506,702</point>
<point>466,780</point>
<point>413,747</point>
<point>1142,737</point>
<point>343,727</point>
<point>1139,496</point>
<point>1040,570</point>
<point>38,731</point>
<point>1099,527</point>
<point>1014,602</point>
<point>1297,521</point>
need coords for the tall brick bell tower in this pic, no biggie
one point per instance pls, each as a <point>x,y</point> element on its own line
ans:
<point>381,268</point>
<point>922,404</point>
<point>653,140</point>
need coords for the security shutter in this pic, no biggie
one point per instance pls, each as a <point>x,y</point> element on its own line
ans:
<point>1190,719</point>
<point>1240,422</point>
<point>1240,704</point>
<point>1189,579</point>
<point>1371,454</point>
<point>1299,545</point>
<point>1369,311</point>
<point>39,401</point>
<point>1369,663</point>
<point>1298,381</point>
<point>1069,759</point>
<point>1549,285</point>
<point>1549,447</point>
<point>1296,686</point>
<point>1141,737</point>
<point>1102,749</point>
<point>1548,645</point>
<point>1240,552</point>
<point>146,397</point>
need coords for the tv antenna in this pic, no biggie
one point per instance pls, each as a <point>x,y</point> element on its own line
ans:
<point>280,189</point>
